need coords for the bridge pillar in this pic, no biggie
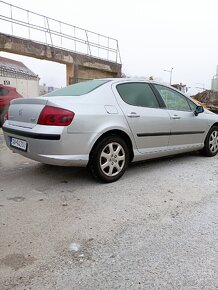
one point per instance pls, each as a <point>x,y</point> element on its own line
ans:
<point>71,73</point>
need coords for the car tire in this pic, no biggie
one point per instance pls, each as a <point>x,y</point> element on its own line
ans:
<point>211,143</point>
<point>109,159</point>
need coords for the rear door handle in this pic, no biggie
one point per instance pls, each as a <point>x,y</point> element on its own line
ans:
<point>133,115</point>
<point>176,117</point>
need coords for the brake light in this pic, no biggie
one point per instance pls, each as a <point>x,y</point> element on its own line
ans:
<point>53,116</point>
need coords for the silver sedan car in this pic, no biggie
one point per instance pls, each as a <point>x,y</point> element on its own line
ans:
<point>106,124</point>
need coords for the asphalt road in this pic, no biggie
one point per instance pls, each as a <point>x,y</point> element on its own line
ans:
<point>156,228</point>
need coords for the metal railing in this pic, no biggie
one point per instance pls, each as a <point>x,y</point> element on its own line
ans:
<point>26,24</point>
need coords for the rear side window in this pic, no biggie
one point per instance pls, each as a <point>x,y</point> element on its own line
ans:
<point>78,89</point>
<point>3,92</point>
<point>138,94</point>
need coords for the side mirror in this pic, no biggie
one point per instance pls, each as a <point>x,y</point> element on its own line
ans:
<point>198,110</point>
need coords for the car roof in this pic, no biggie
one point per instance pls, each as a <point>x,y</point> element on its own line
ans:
<point>135,80</point>
<point>7,87</point>
<point>119,80</point>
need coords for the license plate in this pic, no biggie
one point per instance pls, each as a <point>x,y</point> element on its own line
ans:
<point>18,143</point>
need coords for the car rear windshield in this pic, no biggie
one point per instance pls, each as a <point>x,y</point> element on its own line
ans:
<point>78,89</point>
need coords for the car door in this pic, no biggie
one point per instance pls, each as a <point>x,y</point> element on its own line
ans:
<point>148,121</point>
<point>187,130</point>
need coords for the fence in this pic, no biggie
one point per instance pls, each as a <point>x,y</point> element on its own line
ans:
<point>26,24</point>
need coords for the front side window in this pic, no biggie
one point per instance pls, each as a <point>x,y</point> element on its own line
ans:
<point>137,94</point>
<point>192,105</point>
<point>173,99</point>
<point>78,89</point>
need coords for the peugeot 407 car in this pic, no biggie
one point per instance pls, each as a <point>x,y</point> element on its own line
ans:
<point>107,123</point>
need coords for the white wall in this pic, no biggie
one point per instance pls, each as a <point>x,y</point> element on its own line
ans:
<point>27,88</point>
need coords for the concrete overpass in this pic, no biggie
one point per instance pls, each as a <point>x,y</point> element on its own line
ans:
<point>78,66</point>
<point>86,54</point>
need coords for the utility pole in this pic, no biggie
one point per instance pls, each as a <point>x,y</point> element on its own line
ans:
<point>171,72</point>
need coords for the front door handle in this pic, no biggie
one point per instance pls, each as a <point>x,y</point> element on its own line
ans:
<point>176,117</point>
<point>133,115</point>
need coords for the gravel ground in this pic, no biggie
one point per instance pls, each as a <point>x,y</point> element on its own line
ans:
<point>156,228</point>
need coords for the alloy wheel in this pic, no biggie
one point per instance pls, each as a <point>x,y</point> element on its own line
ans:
<point>213,141</point>
<point>112,159</point>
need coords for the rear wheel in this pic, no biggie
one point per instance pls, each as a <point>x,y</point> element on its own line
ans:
<point>211,142</point>
<point>109,159</point>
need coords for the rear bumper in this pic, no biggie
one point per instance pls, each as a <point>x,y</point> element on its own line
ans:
<point>62,160</point>
<point>53,146</point>
<point>32,135</point>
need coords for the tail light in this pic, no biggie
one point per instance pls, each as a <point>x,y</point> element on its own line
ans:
<point>53,116</point>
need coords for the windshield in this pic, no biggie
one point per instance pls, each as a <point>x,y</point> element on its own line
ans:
<point>3,92</point>
<point>78,89</point>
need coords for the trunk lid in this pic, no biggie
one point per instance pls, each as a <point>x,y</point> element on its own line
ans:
<point>25,112</point>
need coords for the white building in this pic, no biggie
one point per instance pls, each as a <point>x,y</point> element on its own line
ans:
<point>15,74</point>
<point>214,84</point>
<point>44,89</point>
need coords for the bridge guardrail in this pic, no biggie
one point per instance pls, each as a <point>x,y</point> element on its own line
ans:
<point>26,24</point>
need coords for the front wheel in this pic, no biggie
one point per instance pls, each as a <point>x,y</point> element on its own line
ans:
<point>109,159</point>
<point>211,143</point>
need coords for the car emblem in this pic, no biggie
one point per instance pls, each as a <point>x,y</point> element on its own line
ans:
<point>20,112</point>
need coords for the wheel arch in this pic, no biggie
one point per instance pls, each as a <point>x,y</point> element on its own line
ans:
<point>119,133</point>
<point>206,151</point>
<point>215,125</point>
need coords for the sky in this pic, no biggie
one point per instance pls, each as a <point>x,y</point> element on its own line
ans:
<point>153,36</point>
